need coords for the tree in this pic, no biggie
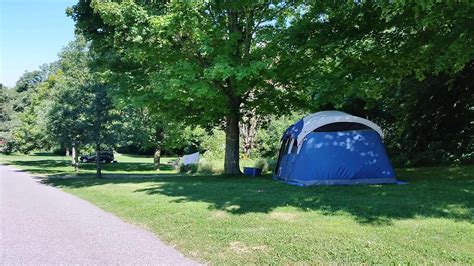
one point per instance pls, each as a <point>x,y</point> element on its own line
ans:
<point>361,48</point>
<point>67,123</point>
<point>206,71</point>
<point>430,121</point>
<point>145,130</point>
<point>67,117</point>
<point>6,120</point>
<point>101,114</point>
<point>27,131</point>
<point>29,80</point>
<point>27,84</point>
<point>398,63</point>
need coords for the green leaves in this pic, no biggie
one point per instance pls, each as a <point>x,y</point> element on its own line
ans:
<point>220,71</point>
<point>200,61</point>
<point>187,52</point>
<point>355,46</point>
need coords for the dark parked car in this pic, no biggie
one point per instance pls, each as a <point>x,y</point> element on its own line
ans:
<point>105,157</point>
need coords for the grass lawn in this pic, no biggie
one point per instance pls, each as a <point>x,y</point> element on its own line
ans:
<point>237,220</point>
<point>60,166</point>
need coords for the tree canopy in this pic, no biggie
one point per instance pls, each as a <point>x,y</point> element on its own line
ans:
<point>362,48</point>
<point>205,62</point>
<point>161,72</point>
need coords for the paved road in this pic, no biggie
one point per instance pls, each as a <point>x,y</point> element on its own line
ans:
<point>43,225</point>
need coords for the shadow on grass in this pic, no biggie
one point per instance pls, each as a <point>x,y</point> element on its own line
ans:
<point>150,157</point>
<point>431,192</point>
<point>47,166</point>
<point>40,163</point>
<point>49,154</point>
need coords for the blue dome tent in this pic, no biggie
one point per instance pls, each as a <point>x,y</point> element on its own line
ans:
<point>333,148</point>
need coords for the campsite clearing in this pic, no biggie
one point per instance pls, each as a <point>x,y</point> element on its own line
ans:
<point>237,220</point>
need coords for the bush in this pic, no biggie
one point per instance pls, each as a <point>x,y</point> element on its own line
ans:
<point>214,144</point>
<point>6,146</point>
<point>262,164</point>
<point>267,139</point>
<point>216,166</point>
<point>272,165</point>
<point>267,165</point>
<point>205,168</point>
<point>188,169</point>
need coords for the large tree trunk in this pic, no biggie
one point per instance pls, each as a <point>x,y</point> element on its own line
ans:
<point>98,167</point>
<point>156,158</point>
<point>231,160</point>
<point>74,157</point>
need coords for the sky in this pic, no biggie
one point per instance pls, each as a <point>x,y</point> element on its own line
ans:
<point>32,32</point>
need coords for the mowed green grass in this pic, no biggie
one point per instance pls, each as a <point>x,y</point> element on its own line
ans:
<point>60,166</point>
<point>241,220</point>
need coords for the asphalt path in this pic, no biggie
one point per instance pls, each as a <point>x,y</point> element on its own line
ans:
<point>41,224</point>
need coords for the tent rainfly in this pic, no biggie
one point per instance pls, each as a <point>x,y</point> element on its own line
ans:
<point>333,148</point>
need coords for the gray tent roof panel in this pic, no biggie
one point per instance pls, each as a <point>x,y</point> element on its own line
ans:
<point>319,119</point>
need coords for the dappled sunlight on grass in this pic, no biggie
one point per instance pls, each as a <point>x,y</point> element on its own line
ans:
<point>239,220</point>
<point>55,166</point>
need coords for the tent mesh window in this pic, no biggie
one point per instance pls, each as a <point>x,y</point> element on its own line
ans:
<point>341,126</point>
<point>295,147</point>
<point>287,145</point>
<point>283,151</point>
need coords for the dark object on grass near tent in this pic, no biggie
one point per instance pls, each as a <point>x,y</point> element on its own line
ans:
<point>333,148</point>
<point>252,171</point>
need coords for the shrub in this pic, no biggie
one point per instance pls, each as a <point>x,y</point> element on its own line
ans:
<point>214,144</point>
<point>188,169</point>
<point>267,165</point>
<point>205,168</point>
<point>193,168</point>
<point>262,164</point>
<point>271,164</point>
